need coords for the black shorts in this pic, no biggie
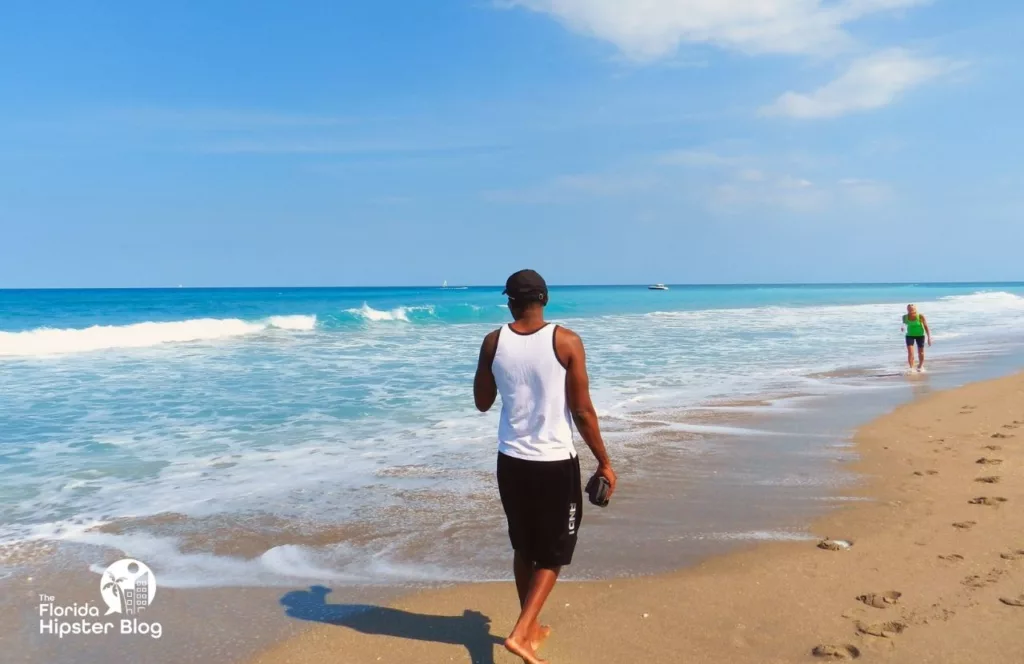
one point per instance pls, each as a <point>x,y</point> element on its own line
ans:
<point>918,340</point>
<point>543,502</point>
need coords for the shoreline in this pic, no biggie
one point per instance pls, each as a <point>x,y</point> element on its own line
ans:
<point>257,619</point>
<point>775,601</point>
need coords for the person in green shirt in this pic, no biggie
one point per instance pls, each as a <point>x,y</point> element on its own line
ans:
<point>916,328</point>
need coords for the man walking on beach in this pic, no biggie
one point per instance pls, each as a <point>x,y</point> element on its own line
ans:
<point>916,328</point>
<point>540,371</point>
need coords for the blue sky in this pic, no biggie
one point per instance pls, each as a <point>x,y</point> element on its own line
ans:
<point>599,141</point>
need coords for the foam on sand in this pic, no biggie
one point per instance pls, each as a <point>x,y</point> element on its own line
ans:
<point>283,565</point>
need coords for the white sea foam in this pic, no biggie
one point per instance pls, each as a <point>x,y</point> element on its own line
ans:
<point>760,536</point>
<point>54,341</point>
<point>797,317</point>
<point>303,323</point>
<point>986,297</point>
<point>368,313</point>
<point>279,566</point>
<point>721,430</point>
<point>312,429</point>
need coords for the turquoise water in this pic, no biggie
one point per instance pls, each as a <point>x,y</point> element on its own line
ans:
<point>330,407</point>
<point>342,307</point>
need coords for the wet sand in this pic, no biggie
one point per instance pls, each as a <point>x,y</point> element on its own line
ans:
<point>935,573</point>
<point>688,497</point>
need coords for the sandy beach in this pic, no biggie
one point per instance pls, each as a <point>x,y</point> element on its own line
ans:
<point>934,573</point>
<point>285,284</point>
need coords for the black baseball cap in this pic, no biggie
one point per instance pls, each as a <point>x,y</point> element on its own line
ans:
<point>526,286</point>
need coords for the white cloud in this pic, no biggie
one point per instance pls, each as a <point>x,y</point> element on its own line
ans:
<point>737,194</point>
<point>866,192</point>
<point>738,191</point>
<point>722,182</point>
<point>870,82</point>
<point>647,30</point>
<point>730,184</point>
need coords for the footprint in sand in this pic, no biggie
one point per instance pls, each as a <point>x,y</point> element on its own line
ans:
<point>952,558</point>
<point>881,600</point>
<point>834,545</point>
<point>828,651</point>
<point>986,500</point>
<point>927,472</point>
<point>975,581</point>
<point>1011,426</point>
<point>985,461</point>
<point>1002,435</point>
<point>991,479</point>
<point>993,448</point>
<point>886,630</point>
<point>1013,601</point>
<point>1013,555</point>
<point>965,525</point>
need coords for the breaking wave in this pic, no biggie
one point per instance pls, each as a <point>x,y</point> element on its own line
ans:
<point>983,298</point>
<point>368,313</point>
<point>53,341</point>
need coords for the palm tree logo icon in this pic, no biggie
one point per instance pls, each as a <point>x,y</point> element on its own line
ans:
<point>114,585</point>
<point>127,587</point>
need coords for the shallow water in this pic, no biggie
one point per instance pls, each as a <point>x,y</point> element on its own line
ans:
<point>346,415</point>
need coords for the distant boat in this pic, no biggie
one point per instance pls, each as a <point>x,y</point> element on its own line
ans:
<point>658,287</point>
<point>445,284</point>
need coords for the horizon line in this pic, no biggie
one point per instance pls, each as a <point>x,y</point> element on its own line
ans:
<point>566,285</point>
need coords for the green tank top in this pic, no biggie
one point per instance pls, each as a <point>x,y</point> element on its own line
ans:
<point>915,328</point>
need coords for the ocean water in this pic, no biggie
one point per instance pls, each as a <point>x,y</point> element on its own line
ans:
<point>335,428</point>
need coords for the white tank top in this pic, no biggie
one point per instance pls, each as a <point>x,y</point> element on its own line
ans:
<point>535,421</point>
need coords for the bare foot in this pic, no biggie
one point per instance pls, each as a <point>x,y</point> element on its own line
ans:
<point>539,636</point>
<point>523,651</point>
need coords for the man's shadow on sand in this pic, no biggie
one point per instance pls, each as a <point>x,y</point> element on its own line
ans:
<point>472,629</point>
